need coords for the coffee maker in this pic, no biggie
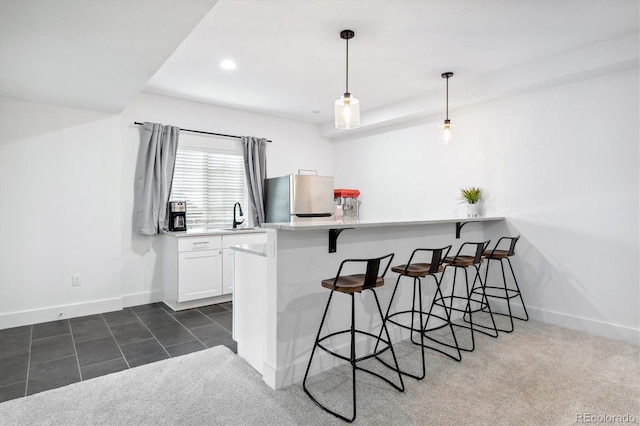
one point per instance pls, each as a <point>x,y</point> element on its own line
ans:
<point>177,215</point>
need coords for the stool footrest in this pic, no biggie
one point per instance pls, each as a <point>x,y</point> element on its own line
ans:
<point>510,292</point>
<point>362,358</point>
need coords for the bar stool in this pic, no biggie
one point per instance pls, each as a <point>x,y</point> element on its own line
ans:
<point>422,263</point>
<point>469,255</point>
<point>503,292</point>
<point>351,284</point>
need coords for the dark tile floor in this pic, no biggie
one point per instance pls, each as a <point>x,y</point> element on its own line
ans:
<point>38,357</point>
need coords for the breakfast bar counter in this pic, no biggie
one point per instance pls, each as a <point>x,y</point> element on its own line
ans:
<point>286,276</point>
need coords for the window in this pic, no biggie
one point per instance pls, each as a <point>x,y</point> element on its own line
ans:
<point>209,176</point>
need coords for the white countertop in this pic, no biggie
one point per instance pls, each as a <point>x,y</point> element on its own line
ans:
<point>198,232</point>
<point>340,224</point>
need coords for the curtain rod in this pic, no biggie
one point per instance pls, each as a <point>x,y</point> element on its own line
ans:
<point>202,132</point>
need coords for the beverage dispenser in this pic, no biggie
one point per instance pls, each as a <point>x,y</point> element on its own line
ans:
<point>347,204</point>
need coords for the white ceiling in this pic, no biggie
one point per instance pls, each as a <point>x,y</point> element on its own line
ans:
<point>89,54</point>
<point>98,54</point>
<point>291,60</point>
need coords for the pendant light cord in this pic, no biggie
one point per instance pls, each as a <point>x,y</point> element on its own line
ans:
<point>347,67</point>
<point>447,98</point>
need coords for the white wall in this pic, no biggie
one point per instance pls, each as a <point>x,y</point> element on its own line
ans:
<point>66,200</point>
<point>59,212</point>
<point>561,164</point>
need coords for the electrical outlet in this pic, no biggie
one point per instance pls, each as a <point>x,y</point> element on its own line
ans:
<point>75,280</point>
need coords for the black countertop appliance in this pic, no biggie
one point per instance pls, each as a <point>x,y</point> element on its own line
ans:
<point>177,215</point>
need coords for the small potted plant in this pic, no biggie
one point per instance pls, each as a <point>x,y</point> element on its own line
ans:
<point>472,195</point>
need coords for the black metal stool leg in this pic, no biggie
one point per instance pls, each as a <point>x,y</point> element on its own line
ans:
<point>448,320</point>
<point>506,296</point>
<point>469,311</point>
<point>386,318</point>
<point>395,360</point>
<point>353,354</point>
<point>515,280</point>
<point>315,345</point>
<point>485,302</point>
<point>417,283</point>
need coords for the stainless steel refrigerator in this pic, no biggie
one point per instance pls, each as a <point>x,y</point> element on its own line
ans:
<point>298,197</point>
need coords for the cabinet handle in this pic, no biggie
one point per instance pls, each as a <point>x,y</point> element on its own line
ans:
<point>201,242</point>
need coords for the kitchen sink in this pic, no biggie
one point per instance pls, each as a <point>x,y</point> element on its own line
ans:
<point>237,229</point>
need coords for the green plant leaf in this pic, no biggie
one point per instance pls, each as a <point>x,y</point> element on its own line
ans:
<point>471,195</point>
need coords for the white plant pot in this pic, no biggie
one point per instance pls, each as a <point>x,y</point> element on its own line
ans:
<point>473,210</point>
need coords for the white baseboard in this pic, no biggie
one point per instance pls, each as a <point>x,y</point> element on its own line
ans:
<point>598,328</point>
<point>54,313</point>
<point>142,298</point>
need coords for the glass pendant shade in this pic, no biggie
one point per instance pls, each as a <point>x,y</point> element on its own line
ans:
<point>347,112</point>
<point>447,132</point>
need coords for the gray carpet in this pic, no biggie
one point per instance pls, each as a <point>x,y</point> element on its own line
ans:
<point>539,375</point>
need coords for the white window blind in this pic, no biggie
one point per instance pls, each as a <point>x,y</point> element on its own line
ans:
<point>211,182</point>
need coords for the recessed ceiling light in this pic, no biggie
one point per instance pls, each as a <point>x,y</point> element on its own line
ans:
<point>228,64</point>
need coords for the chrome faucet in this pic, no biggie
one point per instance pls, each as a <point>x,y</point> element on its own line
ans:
<point>237,222</point>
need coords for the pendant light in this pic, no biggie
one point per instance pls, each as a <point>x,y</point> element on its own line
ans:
<point>347,107</point>
<point>447,130</point>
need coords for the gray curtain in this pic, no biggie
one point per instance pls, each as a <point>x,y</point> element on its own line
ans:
<point>255,167</point>
<point>154,174</point>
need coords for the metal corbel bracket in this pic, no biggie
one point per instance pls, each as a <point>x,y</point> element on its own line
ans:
<point>333,238</point>
<point>459,226</point>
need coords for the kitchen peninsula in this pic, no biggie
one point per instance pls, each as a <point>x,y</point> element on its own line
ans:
<point>298,256</point>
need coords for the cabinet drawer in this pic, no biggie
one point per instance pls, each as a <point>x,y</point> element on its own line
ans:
<point>199,243</point>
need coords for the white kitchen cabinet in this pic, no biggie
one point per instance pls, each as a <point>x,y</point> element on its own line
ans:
<point>198,270</point>
<point>192,270</point>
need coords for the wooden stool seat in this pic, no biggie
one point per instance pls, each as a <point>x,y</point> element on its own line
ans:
<point>350,283</point>
<point>496,254</point>
<point>416,269</point>
<point>462,260</point>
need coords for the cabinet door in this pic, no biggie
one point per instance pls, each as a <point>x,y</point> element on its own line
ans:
<point>227,270</point>
<point>199,274</point>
